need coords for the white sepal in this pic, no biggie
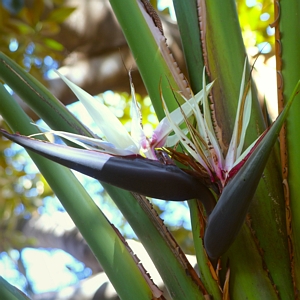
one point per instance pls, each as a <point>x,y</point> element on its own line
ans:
<point>109,124</point>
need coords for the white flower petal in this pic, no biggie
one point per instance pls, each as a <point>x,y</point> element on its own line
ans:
<point>109,124</point>
<point>210,146</point>
<point>164,128</point>
<point>89,143</point>
<point>246,119</point>
<point>216,155</point>
<point>173,139</point>
<point>187,143</point>
<point>137,132</point>
<point>245,153</point>
<point>241,123</point>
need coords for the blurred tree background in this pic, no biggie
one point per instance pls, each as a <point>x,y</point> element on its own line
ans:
<point>83,40</point>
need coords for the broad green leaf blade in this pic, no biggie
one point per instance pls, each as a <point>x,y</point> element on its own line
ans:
<point>8,291</point>
<point>255,281</point>
<point>112,254</point>
<point>188,24</point>
<point>151,63</point>
<point>289,28</point>
<point>163,249</point>
<point>229,214</point>
<point>225,61</point>
<point>209,281</point>
<point>41,101</point>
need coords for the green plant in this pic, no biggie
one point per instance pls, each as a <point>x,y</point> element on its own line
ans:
<point>263,260</point>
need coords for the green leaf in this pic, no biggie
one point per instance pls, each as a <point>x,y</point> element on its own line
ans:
<point>8,291</point>
<point>205,267</point>
<point>188,24</point>
<point>155,72</point>
<point>60,14</point>
<point>36,11</point>
<point>49,28</point>
<point>53,44</point>
<point>289,28</point>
